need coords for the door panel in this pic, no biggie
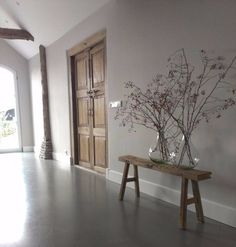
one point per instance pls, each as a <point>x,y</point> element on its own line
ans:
<point>98,66</point>
<point>83,112</point>
<point>83,104</point>
<point>84,148</point>
<point>99,112</point>
<point>82,71</point>
<point>100,151</point>
<point>99,117</point>
<point>91,114</point>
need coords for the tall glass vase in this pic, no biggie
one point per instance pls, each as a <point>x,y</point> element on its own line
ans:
<point>159,151</point>
<point>188,156</point>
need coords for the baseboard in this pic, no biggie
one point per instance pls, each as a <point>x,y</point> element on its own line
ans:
<point>28,149</point>
<point>212,210</point>
<point>66,159</point>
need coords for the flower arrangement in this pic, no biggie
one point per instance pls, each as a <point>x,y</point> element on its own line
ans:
<point>174,105</point>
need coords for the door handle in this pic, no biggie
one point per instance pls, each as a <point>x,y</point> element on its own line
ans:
<point>94,91</point>
<point>90,94</point>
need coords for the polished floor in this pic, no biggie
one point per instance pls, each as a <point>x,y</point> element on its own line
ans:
<point>45,204</point>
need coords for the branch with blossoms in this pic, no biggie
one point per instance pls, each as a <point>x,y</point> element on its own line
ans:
<point>146,108</point>
<point>198,97</point>
<point>175,104</point>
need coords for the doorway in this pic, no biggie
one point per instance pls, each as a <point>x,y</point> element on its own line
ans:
<point>10,138</point>
<point>89,122</point>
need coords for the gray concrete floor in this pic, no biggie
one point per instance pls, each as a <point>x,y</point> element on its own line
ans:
<point>45,204</point>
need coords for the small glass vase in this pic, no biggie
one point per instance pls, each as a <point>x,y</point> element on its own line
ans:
<point>188,156</point>
<point>158,152</point>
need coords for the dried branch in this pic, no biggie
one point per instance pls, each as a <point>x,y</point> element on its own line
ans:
<point>176,103</point>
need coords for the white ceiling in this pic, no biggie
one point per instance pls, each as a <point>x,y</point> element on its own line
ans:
<point>46,20</point>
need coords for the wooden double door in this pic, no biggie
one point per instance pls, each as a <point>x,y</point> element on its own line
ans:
<point>91,107</point>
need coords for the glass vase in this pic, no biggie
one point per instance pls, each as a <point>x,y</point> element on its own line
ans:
<point>188,156</point>
<point>159,152</point>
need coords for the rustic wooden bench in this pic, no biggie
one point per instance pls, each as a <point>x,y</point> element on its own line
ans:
<point>186,175</point>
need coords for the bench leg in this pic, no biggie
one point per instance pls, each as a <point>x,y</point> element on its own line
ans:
<point>198,202</point>
<point>136,181</point>
<point>124,180</point>
<point>183,203</point>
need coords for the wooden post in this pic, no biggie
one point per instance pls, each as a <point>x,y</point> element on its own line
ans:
<point>46,147</point>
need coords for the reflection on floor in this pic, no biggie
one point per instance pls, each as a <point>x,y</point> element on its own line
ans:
<point>46,204</point>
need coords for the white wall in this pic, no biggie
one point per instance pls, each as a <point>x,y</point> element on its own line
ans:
<point>140,36</point>
<point>36,99</point>
<point>10,58</point>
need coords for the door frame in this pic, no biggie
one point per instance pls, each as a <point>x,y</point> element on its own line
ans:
<point>17,111</point>
<point>71,53</point>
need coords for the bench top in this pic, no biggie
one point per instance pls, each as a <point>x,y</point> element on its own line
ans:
<point>192,174</point>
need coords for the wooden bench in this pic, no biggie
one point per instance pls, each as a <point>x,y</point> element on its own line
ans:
<point>186,175</point>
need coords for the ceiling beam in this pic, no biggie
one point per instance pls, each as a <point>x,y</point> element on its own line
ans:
<point>8,33</point>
